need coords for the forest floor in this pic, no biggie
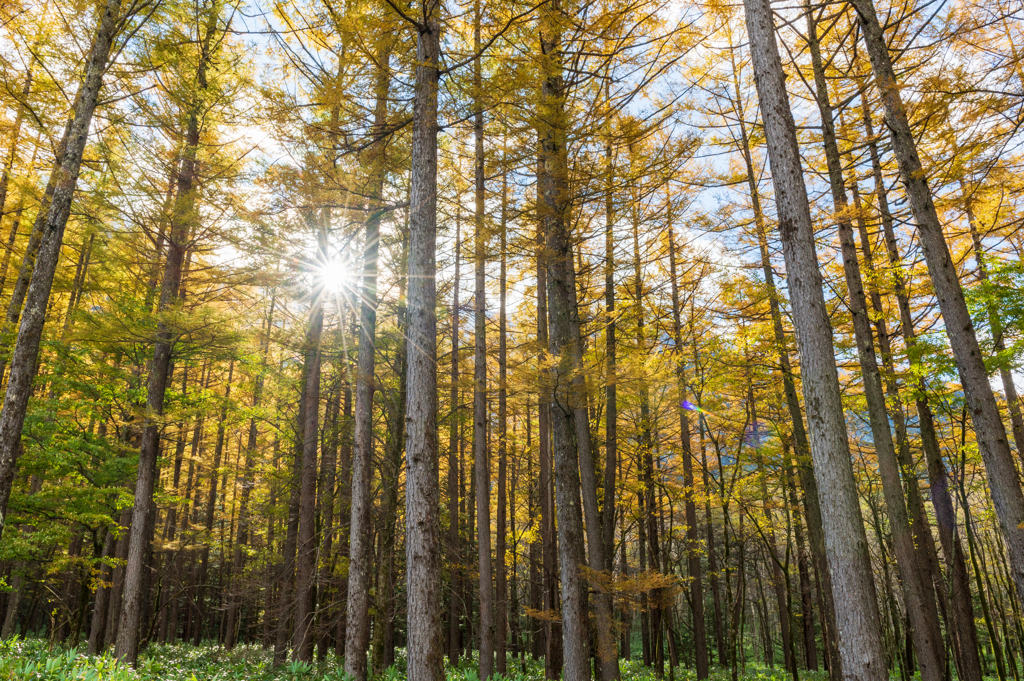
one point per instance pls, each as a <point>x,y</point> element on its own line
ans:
<point>24,659</point>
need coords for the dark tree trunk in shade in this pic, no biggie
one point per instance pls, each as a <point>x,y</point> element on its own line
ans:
<point>853,589</point>
<point>501,624</point>
<point>481,459</point>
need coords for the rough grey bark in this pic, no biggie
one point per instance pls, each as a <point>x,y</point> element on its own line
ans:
<point>52,221</point>
<point>422,540</point>
<point>911,560</point>
<point>357,627</point>
<point>857,619</point>
<point>563,343</point>
<point>990,432</point>
<point>995,324</point>
<point>481,463</point>
<point>801,444</point>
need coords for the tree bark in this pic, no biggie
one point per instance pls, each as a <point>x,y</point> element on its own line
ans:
<point>357,627</point>
<point>183,217</point>
<point>846,543</point>
<point>915,572</point>
<point>564,341</point>
<point>423,559</point>
<point>481,462</point>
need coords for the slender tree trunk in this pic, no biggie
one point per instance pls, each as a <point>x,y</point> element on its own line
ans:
<point>357,631</point>
<point>181,226</point>
<point>846,543</point>
<point>964,630</point>
<point>481,462</point>
<point>500,548</point>
<point>693,549</point>
<point>423,559</point>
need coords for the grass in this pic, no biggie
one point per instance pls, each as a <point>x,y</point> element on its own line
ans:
<point>35,659</point>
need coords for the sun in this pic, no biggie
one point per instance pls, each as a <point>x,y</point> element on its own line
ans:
<point>338,276</point>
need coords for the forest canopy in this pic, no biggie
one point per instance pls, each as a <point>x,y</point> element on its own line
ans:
<point>466,339</point>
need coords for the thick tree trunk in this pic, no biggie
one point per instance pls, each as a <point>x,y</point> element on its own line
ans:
<point>846,543</point>
<point>52,221</point>
<point>803,451</point>
<point>564,342</point>
<point>990,433</point>
<point>423,558</point>
<point>915,572</point>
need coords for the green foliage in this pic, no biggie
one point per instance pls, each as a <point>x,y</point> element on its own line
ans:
<point>35,659</point>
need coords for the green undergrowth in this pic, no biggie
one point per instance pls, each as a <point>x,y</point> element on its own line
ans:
<point>35,659</point>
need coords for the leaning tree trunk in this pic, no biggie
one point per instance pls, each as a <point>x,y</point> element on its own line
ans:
<point>990,432</point>
<point>422,540</point>
<point>911,560</point>
<point>963,629</point>
<point>855,601</point>
<point>182,218</point>
<point>53,220</point>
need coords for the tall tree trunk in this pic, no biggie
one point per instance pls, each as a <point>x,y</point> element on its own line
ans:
<point>995,324</point>
<point>182,219</point>
<point>990,432</point>
<point>357,628</point>
<point>964,629</point>
<point>846,543</point>
<point>52,221</point>
<point>700,638</point>
<point>915,573</point>
<point>500,548</point>
<point>455,558</point>
<point>422,541</point>
<point>801,444</point>
<point>481,462</point>
<point>564,345</point>
<point>549,558</point>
